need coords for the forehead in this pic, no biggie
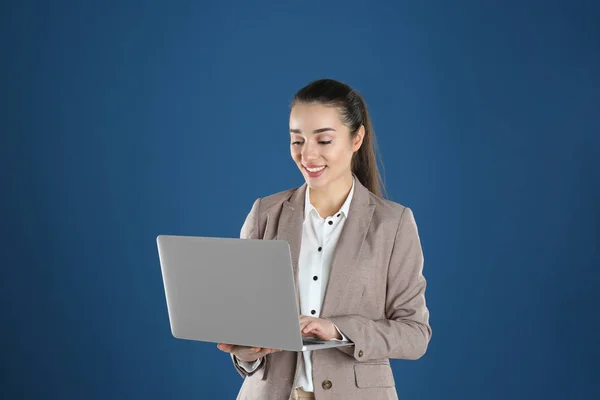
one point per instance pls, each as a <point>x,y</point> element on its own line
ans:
<point>314,116</point>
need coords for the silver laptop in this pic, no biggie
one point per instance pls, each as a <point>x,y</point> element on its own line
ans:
<point>236,291</point>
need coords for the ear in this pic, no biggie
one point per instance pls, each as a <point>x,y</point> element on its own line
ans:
<point>358,139</point>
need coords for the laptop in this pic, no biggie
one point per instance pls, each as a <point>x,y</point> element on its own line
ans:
<point>236,291</point>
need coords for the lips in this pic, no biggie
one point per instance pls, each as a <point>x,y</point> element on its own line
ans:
<point>315,169</point>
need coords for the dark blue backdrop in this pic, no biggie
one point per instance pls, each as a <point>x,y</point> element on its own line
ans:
<point>123,120</point>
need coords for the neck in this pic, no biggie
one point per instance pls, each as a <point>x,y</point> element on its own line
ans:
<point>329,199</point>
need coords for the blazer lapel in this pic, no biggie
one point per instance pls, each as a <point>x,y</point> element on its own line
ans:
<point>348,249</point>
<point>290,228</point>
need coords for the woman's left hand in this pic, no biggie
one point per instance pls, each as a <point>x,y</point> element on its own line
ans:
<point>324,329</point>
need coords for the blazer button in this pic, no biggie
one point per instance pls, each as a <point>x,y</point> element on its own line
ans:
<point>327,385</point>
<point>360,353</point>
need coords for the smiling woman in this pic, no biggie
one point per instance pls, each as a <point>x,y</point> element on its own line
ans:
<point>330,129</point>
<point>357,260</point>
<point>321,145</point>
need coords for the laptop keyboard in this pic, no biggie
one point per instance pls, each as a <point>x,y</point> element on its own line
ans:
<point>314,341</point>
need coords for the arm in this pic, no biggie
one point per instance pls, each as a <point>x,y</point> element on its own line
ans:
<point>405,333</point>
<point>250,227</point>
<point>246,368</point>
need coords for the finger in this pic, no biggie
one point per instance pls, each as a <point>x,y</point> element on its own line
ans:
<point>306,318</point>
<point>250,349</point>
<point>306,323</point>
<point>259,355</point>
<point>271,351</point>
<point>316,329</point>
<point>310,327</point>
<point>225,347</point>
<point>244,352</point>
<point>255,355</point>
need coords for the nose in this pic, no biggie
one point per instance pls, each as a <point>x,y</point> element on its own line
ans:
<point>309,151</point>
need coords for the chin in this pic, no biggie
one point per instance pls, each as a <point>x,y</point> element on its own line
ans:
<point>315,183</point>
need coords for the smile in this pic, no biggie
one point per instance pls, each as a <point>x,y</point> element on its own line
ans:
<point>315,169</point>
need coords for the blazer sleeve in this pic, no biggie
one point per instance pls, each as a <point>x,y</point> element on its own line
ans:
<point>250,230</point>
<point>247,369</point>
<point>405,333</point>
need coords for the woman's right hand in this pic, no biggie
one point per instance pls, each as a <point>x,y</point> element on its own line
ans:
<point>245,353</point>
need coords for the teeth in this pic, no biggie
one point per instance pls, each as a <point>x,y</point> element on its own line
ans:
<point>316,169</point>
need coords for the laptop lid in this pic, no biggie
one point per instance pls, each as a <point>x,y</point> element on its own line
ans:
<point>237,291</point>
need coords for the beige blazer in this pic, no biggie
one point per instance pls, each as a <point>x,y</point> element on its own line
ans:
<point>375,295</point>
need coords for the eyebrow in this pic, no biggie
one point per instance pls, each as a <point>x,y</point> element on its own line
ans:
<point>320,130</point>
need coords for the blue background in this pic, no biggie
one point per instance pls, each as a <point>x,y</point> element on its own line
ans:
<point>123,120</point>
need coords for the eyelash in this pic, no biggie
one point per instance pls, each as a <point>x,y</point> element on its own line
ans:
<point>322,142</point>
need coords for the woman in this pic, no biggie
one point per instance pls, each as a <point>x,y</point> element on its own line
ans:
<point>357,259</point>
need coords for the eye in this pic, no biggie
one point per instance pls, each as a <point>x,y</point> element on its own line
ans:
<point>296,143</point>
<point>325,142</point>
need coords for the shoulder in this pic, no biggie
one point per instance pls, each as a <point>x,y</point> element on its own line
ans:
<point>388,209</point>
<point>395,216</point>
<point>275,200</point>
<point>255,223</point>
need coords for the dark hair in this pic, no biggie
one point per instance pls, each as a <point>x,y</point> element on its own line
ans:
<point>353,112</point>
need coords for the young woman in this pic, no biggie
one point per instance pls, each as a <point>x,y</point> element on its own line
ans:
<point>357,259</point>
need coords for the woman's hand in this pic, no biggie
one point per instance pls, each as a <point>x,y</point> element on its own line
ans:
<point>245,353</point>
<point>324,329</point>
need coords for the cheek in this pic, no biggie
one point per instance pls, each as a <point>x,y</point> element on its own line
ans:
<point>295,153</point>
<point>336,155</point>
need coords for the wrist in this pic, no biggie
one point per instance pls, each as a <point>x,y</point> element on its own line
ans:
<point>246,360</point>
<point>336,332</point>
